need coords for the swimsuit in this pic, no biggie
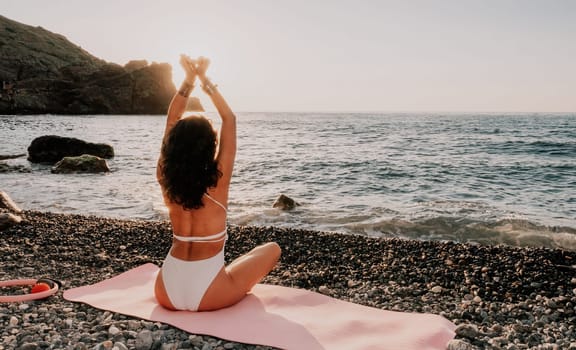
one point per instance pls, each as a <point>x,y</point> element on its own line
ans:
<point>185,281</point>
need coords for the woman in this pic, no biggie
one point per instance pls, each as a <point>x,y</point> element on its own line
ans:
<point>194,172</point>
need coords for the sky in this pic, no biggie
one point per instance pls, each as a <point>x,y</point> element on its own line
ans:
<point>341,56</point>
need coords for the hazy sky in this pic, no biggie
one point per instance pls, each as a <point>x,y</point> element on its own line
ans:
<point>317,55</point>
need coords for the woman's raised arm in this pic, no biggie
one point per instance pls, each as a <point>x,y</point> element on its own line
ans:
<point>179,101</point>
<point>227,139</point>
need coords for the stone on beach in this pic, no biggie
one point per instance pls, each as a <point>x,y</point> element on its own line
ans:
<point>467,331</point>
<point>7,203</point>
<point>8,211</point>
<point>458,344</point>
<point>8,220</point>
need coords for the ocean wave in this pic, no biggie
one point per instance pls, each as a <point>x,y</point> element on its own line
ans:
<point>520,233</point>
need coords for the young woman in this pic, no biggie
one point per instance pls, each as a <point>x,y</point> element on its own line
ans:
<point>194,172</point>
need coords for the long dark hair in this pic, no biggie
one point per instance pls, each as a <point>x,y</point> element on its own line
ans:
<point>188,167</point>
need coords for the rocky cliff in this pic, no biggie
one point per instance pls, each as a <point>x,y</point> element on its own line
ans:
<point>42,72</point>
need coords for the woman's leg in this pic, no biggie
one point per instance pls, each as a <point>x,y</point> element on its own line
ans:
<point>233,282</point>
<point>250,268</point>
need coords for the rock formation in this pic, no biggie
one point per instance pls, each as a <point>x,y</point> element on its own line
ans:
<point>8,212</point>
<point>50,149</point>
<point>83,164</point>
<point>7,168</point>
<point>42,72</point>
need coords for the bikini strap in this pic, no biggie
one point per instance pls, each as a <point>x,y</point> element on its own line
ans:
<point>204,239</point>
<point>215,201</point>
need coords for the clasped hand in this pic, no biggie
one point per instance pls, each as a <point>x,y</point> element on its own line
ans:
<point>194,68</point>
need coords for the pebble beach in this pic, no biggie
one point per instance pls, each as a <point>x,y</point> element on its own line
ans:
<point>499,297</point>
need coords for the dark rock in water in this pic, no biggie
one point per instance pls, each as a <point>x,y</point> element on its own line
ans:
<point>7,203</point>
<point>42,72</point>
<point>285,203</point>
<point>50,149</point>
<point>6,168</point>
<point>83,164</point>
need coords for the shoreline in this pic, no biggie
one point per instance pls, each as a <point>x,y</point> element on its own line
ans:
<point>498,296</point>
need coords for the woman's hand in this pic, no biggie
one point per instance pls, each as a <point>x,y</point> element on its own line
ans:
<point>189,66</point>
<point>202,64</point>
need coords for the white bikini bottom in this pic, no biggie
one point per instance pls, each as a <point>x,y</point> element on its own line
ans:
<point>186,282</point>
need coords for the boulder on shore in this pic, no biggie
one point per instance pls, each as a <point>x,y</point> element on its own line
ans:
<point>8,211</point>
<point>83,164</point>
<point>8,220</point>
<point>50,149</point>
<point>284,202</point>
<point>8,204</point>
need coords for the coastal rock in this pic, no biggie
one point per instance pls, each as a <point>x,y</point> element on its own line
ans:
<point>7,203</point>
<point>7,168</point>
<point>42,72</point>
<point>51,149</point>
<point>8,220</point>
<point>135,65</point>
<point>82,164</point>
<point>284,202</point>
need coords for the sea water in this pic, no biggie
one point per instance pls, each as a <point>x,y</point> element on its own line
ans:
<point>483,178</point>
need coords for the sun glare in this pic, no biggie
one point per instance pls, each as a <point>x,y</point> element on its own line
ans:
<point>218,63</point>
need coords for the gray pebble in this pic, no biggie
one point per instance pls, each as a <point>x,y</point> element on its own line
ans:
<point>436,289</point>
<point>324,290</point>
<point>29,346</point>
<point>457,344</point>
<point>469,331</point>
<point>144,340</point>
<point>113,330</point>
<point>119,346</point>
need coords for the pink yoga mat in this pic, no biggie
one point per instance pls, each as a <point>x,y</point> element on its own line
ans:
<point>281,317</point>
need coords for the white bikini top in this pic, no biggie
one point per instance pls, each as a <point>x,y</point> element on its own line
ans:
<point>206,239</point>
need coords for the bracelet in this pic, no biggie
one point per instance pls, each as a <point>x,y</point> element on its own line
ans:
<point>208,87</point>
<point>185,89</point>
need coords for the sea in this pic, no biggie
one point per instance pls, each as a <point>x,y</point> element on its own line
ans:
<point>481,178</point>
